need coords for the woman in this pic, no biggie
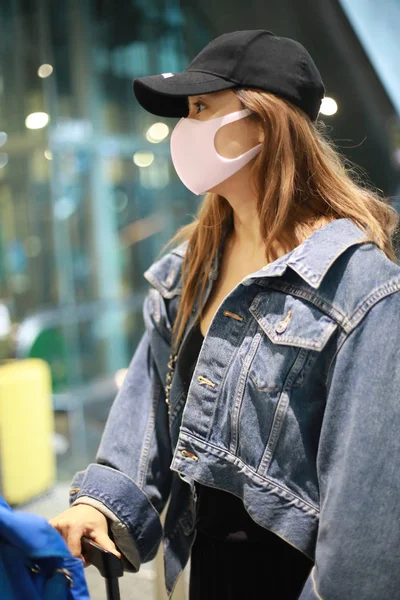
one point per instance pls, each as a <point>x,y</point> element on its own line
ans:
<point>262,400</point>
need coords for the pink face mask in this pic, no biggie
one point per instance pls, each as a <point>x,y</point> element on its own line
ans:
<point>195,158</point>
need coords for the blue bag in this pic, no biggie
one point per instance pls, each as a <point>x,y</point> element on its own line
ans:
<point>35,562</point>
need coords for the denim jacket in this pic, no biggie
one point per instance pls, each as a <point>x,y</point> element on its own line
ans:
<point>294,407</point>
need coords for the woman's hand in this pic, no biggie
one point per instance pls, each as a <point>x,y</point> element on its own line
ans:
<point>80,520</point>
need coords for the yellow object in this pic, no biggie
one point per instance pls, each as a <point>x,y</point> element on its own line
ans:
<point>27,459</point>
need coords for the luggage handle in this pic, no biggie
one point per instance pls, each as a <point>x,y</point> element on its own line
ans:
<point>109,565</point>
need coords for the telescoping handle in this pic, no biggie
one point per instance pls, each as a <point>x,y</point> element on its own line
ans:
<point>109,565</point>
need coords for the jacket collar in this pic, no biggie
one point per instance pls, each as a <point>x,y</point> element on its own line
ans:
<point>311,259</point>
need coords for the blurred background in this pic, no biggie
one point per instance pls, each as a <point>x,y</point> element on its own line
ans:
<point>89,195</point>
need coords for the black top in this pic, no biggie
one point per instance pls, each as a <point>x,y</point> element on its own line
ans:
<point>220,514</point>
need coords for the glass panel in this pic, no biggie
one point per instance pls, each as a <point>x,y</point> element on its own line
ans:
<point>87,197</point>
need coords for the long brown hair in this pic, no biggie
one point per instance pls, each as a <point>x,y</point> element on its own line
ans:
<point>302,185</point>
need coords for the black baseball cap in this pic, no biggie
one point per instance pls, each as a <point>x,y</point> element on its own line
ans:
<point>254,58</point>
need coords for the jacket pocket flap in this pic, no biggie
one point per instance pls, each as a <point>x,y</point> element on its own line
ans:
<point>292,321</point>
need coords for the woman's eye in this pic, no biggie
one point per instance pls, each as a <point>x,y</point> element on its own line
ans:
<point>197,104</point>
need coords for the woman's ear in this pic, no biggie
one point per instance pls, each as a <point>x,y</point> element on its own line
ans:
<point>261,136</point>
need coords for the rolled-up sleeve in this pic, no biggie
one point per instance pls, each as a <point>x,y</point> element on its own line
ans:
<point>130,478</point>
<point>357,551</point>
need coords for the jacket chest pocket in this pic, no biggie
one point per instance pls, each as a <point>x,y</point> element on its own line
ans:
<point>282,345</point>
<point>290,332</point>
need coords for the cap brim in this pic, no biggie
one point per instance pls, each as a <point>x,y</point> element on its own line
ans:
<point>166,95</point>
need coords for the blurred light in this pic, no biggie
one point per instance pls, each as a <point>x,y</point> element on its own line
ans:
<point>157,133</point>
<point>119,201</point>
<point>48,154</point>
<point>157,175</point>
<point>119,377</point>
<point>3,138</point>
<point>3,159</point>
<point>328,106</point>
<point>36,120</point>
<point>45,70</point>
<point>60,443</point>
<point>64,208</point>
<point>5,321</point>
<point>143,159</point>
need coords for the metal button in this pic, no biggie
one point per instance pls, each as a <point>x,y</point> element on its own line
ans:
<point>35,568</point>
<point>205,381</point>
<point>188,454</point>
<point>281,326</point>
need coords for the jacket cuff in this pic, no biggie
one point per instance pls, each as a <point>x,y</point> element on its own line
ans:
<point>136,518</point>
<point>119,533</point>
